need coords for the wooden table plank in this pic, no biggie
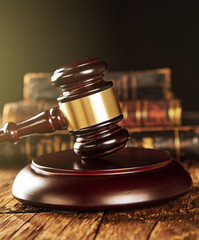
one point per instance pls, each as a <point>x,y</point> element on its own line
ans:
<point>177,219</point>
<point>124,225</point>
<point>11,223</point>
<point>50,225</point>
<point>177,227</point>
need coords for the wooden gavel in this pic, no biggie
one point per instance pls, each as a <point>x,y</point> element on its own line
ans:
<point>88,108</point>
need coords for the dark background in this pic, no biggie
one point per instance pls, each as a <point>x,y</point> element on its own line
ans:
<point>39,36</point>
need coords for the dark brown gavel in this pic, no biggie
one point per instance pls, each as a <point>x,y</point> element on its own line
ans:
<point>88,108</point>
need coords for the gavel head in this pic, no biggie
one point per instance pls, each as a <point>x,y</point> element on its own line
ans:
<point>90,108</point>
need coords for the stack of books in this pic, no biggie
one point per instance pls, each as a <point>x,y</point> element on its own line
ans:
<point>152,115</point>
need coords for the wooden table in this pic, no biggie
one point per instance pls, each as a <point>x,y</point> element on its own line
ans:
<point>177,219</point>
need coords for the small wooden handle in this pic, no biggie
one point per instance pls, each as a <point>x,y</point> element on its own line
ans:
<point>45,122</point>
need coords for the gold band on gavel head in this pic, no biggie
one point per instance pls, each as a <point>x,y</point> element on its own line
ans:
<point>91,110</point>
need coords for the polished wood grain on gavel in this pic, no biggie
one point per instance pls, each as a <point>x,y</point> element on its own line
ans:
<point>88,108</point>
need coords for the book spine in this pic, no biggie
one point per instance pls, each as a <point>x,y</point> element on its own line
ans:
<point>48,143</point>
<point>190,118</point>
<point>37,86</point>
<point>149,84</point>
<point>13,155</point>
<point>33,146</point>
<point>136,112</point>
<point>23,110</point>
<point>151,113</point>
<point>181,143</point>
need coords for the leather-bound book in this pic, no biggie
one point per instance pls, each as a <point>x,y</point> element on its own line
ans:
<point>33,146</point>
<point>151,113</point>
<point>23,110</point>
<point>37,86</point>
<point>182,142</point>
<point>136,112</point>
<point>146,84</point>
<point>151,84</point>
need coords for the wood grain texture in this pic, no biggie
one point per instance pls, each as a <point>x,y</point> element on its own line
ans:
<point>124,225</point>
<point>177,219</point>
<point>177,227</point>
<point>11,223</point>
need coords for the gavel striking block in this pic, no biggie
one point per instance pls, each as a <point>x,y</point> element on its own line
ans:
<point>98,176</point>
<point>88,108</point>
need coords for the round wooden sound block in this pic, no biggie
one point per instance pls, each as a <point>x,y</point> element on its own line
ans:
<point>130,177</point>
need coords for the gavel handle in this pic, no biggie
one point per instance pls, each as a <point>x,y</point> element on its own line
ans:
<point>45,122</point>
